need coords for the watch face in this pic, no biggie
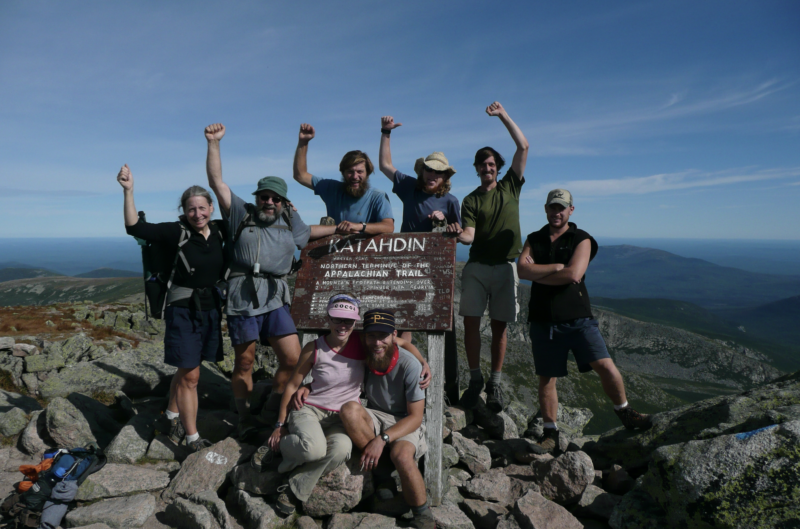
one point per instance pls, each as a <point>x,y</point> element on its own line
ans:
<point>385,437</point>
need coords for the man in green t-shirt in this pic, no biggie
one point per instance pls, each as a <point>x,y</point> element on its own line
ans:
<point>490,216</point>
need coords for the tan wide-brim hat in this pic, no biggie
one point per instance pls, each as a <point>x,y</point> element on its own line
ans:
<point>435,161</point>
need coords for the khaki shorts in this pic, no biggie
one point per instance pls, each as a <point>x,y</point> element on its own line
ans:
<point>382,421</point>
<point>495,284</point>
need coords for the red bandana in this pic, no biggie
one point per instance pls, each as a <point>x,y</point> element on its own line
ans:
<point>393,363</point>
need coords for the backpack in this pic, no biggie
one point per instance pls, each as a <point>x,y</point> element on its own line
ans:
<point>24,507</point>
<point>160,262</point>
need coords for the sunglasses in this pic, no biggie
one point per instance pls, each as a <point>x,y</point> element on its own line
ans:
<point>342,321</point>
<point>435,171</point>
<point>267,198</point>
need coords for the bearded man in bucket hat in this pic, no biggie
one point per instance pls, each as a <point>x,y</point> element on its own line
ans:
<point>264,237</point>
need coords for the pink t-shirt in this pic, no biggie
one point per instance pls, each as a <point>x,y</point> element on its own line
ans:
<point>337,376</point>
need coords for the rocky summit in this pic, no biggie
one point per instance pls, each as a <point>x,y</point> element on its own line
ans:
<point>95,373</point>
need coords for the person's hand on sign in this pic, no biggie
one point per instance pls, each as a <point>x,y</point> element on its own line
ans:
<point>454,229</point>
<point>348,228</point>
<point>425,376</point>
<point>437,215</point>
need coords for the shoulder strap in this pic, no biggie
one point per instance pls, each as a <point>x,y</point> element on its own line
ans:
<point>184,238</point>
<point>246,221</point>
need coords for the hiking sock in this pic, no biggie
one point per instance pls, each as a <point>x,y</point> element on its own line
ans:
<point>494,378</point>
<point>172,414</point>
<point>421,509</point>
<point>243,409</point>
<point>192,438</point>
<point>475,374</point>
<point>621,406</point>
<point>552,425</point>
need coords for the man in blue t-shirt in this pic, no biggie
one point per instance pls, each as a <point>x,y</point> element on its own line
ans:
<point>354,207</point>
<point>426,197</point>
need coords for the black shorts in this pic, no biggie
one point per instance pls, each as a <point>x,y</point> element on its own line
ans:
<point>552,342</point>
<point>191,336</point>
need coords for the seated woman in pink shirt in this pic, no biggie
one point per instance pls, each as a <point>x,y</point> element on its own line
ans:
<point>313,440</point>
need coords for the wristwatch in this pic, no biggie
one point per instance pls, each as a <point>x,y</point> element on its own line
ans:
<point>278,424</point>
<point>385,437</point>
<point>363,227</point>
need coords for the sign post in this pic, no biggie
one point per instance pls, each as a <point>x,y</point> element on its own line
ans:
<point>411,273</point>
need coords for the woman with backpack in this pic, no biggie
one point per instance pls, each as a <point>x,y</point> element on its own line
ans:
<point>192,316</point>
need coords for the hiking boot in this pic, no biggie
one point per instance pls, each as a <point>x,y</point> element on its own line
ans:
<point>547,445</point>
<point>424,520</point>
<point>632,419</point>
<point>495,400</point>
<point>246,428</point>
<point>469,400</point>
<point>262,457</point>
<point>176,431</point>
<point>199,444</point>
<point>285,504</point>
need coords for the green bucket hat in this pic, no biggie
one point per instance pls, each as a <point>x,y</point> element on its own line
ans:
<point>272,183</point>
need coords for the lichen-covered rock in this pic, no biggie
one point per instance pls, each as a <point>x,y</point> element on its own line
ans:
<point>520,414</point>
<point>14,367</point>
<point>706,419</point>
<point>534,511</point>
<point>6,343</point>
<point>564,478</point>
<point>74,348</point>
<point>12,422</point>
<point>121,480</point>
<point>162,449</point>
<point>66,424</point>
<point>101,419</point>
<point>207,469</point>
<point>449,456</point>
<point>456,418</point>
<point>117,513</point>
<point>476,457</point>
<point>748,479</point>
<point>132,441</point>
<point>137,372</point>
<point>340,490</point>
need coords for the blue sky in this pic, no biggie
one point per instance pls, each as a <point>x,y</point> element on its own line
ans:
<point>665,119</point>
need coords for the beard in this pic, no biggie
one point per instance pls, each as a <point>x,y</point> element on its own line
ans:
<point>266,218</point>
<point>381,363</point>
<point>360,191</point>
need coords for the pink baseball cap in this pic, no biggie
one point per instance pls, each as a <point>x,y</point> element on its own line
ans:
<point>344,306</point>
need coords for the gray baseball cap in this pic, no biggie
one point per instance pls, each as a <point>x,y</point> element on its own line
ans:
<point>559,196</point>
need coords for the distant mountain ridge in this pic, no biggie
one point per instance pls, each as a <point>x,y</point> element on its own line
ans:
<point>12,274</point>
<point>108,272</point>
<point>632,272</point>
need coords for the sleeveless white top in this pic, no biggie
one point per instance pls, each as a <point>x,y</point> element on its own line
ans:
<point>338,376</point>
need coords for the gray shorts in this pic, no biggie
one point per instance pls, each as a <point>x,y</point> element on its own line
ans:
<point>552,342</point>
<point>496,285</point>
<point>383,421</point>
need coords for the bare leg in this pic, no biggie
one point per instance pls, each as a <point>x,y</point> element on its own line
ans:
<point>472,341</point>
<point>242,377</point>
<point>499,341</point>
<point>358,424</point>
<point>287,349</point>
<point>611,380</point>
<point>173,395</point>
<point>186,397</point>
<point>548,398</point>
<point>402,454</point>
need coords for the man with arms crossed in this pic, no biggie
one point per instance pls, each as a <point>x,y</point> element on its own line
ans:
<point>258,296</point>
<point>490,217</point>
<point>555,259</point>
<point>394,412</point>
<point>354,207</point>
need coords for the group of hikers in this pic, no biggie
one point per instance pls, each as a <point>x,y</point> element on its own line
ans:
<point>314,426</point>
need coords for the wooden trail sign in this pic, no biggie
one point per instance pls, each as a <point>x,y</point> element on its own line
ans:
<point>410,273</point>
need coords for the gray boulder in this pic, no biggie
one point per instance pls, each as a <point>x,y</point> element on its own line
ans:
<point>476,457</point>
<point>101,419</point>
<point>74,348</point>
<point>162,449</point>
<point>534,511</point>
<point>340,490</point>
<point>564,478</point>
<point>360,520</point>
<point>484,514</point>
<point>706,419</point>
<point>245,477</point>
<point>255,512</point>
<point>32,439</point>
<point>6,343</point>
<point>449,516</point>
<point>638,510</point>
<point>213,504</point>
<point>456,418</point>
<point>494,487</point>
<point>449,456</point>
<point>208,468</point>
<point>131,443</point>
<point>121,480</point>
<point>14,367</point>
<point>66,424</point>
<point>732,480</point>
<point>596,503</point>
<point>12,422</point>
<point>523,479</point>
<point>118,513</point>
<point>39,363</point>
<point>571,422</point>
<point>189,515</point>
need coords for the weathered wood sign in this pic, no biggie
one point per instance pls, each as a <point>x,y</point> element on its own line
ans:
<point>411,273</point>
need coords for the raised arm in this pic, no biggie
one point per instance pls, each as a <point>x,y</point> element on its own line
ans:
<point>527,269</point>
<point>214,134</point>
<point>300,169</point>
<point>125,179</point>
<point>521,155</point>
<point>385,155</point>
<point>575,269</point>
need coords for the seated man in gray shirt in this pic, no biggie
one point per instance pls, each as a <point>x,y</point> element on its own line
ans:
<point>394,412</point>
